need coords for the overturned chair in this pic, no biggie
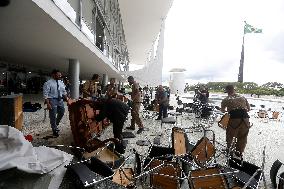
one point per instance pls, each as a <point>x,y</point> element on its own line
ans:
<point>200,154</point>
<point>92,168</point>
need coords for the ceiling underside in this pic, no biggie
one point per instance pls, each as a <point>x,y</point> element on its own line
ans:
<point>142,21</point>
<point>29,36</point>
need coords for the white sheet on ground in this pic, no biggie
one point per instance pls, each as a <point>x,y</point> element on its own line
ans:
<point>16,151</point>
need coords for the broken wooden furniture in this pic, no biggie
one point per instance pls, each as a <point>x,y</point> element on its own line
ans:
<point>223,123</point>
<point>84,126</point>
<point>12,114</point>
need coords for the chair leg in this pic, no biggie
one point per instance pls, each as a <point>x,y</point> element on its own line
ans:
<point>273,172</point>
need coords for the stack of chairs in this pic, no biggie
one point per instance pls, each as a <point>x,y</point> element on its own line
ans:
<point>196,165</point>
<point>183,163</point>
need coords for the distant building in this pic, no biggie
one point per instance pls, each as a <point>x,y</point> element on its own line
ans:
<point>177,80</point>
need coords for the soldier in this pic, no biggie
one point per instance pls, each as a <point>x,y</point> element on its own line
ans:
<point>111,89</point>
<point>136,103</point>
<point>92,88</point>
<point>238,125</point>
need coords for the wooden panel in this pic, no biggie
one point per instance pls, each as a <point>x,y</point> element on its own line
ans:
<point>209,181</point>
<point>18,106</point>
<point>223,123</point>
<point>203,151</point>
<point>11,111</point>
<point>179,143</point>
<point>160,181</point>
<point>19,122</point>
<point>120,178</point>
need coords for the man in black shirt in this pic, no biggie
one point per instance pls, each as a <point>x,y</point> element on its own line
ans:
<point>116,111</point>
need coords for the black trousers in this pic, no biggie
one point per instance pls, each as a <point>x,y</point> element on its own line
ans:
<point>117,128</point>
<point>163,111</point>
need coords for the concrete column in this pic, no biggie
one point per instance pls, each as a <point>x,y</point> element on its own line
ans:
<point>80,14</point>
<point>74,72</point>
<point>105,80</point>
<point>119,85</point>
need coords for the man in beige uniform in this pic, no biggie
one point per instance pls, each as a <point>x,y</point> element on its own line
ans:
<point>136,103</point>
<point>111,89</point>
<point>238,125</point>
<point>91,88</point>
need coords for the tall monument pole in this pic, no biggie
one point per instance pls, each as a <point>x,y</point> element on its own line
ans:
<point>247,29</point>
<point>241,68</point>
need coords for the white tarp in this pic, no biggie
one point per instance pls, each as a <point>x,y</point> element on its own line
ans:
<point>16,151</point>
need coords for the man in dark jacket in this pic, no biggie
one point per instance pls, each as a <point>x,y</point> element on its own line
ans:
<point>116,111</point>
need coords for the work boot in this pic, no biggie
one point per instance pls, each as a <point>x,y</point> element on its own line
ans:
<point>140,130</point>
<point>131,128</point>
<point>55,134</point>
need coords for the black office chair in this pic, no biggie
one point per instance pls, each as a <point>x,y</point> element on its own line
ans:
<point>274,172</point>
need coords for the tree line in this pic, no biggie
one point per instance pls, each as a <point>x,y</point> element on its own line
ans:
<point>269,88</point>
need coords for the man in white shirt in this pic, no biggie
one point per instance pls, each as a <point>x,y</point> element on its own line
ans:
<point>54,93</point>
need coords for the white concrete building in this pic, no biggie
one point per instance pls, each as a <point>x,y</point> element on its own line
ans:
<point>79,37</point>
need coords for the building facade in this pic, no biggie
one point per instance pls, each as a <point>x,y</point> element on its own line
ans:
<point>101,22</point>
<point>78,37</point>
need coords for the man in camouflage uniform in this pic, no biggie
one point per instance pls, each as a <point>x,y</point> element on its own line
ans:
<point>136,103</point>
<point>92,88</point>
<point>111,89</point>
<point>238,125</point>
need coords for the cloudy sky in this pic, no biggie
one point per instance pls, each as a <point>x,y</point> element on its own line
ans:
<point>205,38</point>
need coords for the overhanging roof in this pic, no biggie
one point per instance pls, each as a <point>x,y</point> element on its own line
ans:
<point>37,33</point>
<point>142,21</point>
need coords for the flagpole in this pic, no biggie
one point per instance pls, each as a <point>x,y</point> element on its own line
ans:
<point>241,67</point>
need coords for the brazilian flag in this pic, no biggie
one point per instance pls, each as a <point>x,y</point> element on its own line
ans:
<point>250,29</point>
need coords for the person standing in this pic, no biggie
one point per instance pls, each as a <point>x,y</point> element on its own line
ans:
<point>163,101</point>
<point>203,95</point>
<point>151,92</point>
<point>67,86</point>
<point>92,88</point>
<point>54,93</point>
<point>111,89</point>
<point>238,126</point>
<point>136,103</point>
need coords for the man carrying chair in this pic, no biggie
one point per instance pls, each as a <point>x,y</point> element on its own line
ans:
<point>238,125</point>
